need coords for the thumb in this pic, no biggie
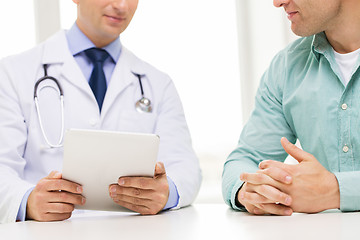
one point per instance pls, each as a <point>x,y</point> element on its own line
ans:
<point>55,174</point>
<point>159,169</point>
<point>294,151</point>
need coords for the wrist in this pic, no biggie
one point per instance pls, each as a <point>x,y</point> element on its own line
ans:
<point>239,197</point>
<point>333,199</point>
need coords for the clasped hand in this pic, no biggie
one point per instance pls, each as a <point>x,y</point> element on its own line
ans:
<point>281,189</point>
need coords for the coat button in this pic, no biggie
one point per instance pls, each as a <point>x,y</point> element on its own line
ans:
<point>344,106</point>
<point>345,149</point>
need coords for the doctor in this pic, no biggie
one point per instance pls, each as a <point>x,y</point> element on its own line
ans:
<point>102,83</point>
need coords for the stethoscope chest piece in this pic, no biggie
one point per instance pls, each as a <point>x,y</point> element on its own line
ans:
<point>143,105</point>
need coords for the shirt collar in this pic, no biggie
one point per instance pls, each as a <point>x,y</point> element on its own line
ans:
<point>78,42</point>
<point>320,45</point>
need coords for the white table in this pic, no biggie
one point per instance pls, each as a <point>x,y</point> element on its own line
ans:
<point>201,221</point>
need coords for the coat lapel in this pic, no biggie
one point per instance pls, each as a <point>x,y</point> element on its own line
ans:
<point>122,77</point>
<point>56,51</point>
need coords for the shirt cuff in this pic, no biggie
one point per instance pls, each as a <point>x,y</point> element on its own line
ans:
<point>21,216</point>
<point>349,190</point>
<point>173,195</point>
<point>234,192</point>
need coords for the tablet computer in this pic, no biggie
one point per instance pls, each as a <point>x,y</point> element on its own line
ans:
<point>95,159</point>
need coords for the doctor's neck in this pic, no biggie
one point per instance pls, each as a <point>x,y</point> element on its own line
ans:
<point>99,38</point>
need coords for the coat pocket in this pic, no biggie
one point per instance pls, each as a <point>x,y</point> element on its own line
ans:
<point>137,122</point>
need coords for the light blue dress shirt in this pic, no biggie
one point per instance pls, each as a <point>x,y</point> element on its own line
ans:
<point>78,42</point>
<point>301,96</point>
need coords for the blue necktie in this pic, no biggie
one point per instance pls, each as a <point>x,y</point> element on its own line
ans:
<point>97,79</point>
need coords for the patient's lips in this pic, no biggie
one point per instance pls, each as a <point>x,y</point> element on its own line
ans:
<point>291,15</point>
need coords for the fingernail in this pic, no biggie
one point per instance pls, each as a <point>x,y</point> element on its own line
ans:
<point>288,212</point>
<point>288,179</point>
<point>57,175</point>
<point>112,189</point>
<point>121,182</point>
<point>83,200</point>
<point>287,201</point>
<point>286,140</point>
<point>79,189</point>
<point>256,211</point>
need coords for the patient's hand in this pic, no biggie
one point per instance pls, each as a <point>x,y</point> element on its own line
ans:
<point>313,188</point>
<point>260,195</point>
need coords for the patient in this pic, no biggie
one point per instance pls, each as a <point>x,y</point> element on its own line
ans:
<point>309,93</point>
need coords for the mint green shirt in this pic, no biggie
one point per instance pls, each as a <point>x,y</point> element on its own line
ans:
<point>301,96</point>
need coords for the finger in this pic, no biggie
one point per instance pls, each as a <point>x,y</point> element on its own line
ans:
<point>258,211</point>
<point>63,185</point>
<point>129,191</point>
<point>133,200</point>
<point>137,182</point>
<point>66,197</point>
<point>59,208</point>
<point>273,194</point>
<point>277,174</point>
<point>254,209</point>
<point>257,178</point>
<point>294,151</point>
<point>253,198</point>
<point>272,163</point>
<point>159,169</point>
<point>48,217</point>
<point>144,210</point>
<point>54,174</point>
<point>276,209</point>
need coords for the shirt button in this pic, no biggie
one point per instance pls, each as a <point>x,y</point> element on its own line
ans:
<point>344,106</point>
<point>345,149</point>
<point>93,122</point>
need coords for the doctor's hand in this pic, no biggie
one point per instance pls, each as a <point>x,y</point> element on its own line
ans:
<point>313,189</point>
<point>259,193</point>
<point>53,199</point>
<point>144,195</point>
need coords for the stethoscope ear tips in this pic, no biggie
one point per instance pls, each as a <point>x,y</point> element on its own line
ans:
<point>143,105</point>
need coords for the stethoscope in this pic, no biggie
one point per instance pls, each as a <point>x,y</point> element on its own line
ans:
<point>36,99</point>
<point>142,105</point>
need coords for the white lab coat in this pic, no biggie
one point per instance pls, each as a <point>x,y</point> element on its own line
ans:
<point>24,155</point>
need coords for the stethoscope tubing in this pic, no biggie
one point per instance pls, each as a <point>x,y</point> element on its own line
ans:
<point>140,83</point>
<point>143,105</point>
<point>61,95</point>
<point>59,144</point>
